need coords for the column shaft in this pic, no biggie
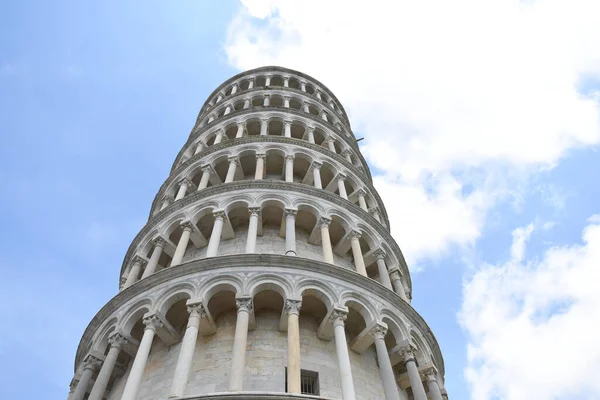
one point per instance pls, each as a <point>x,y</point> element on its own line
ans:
<point>342,189</point>
<point>311,136</point>
<point>219,137</point>
<point>362,203</point>
<point>134,273</point>
<point>317,177</point>
<point>293,369</point>
<point>359,262</point>
<point>204,179</point>
<point>264,127</point>
<point>182,191</point>
<point>240,131</point>
<point>383,273</point>
<point>108,365</point>
<point>390,388</point>
<point>252,231</point>
<point>134,380</point>
<point>260,167</point>
<point>289,169</point>
<point>341,347</point>
<point>238,359</point>
<point>434,389</point>
<point>182,245</point>
<point>215,237</point>
<point>186,355</point>
<point>415,379</point>
<point>152,264</point>
<point>290,233</point>
<point>83,384</point>
<point>326,243</point>
<point>231,171</point>
<point>287,129</point>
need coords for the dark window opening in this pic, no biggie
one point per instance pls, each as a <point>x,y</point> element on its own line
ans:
<point>309,382</point>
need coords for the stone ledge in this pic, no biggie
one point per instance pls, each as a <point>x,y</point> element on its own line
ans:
<point>252,396</point>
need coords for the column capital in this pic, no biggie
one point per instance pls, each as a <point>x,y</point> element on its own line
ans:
<point>355,234</point>
<point>168,198</point>
<point>139,260</point>
<point>267,95</point>
<point>254,211</point>
<point>261,155</point>
<point>185,181</point>
<point>378,331</point>
<point>233,160</point>
<point>361,192</point>
<point>207,169</point>
<point>430,373</point>
<point>264,120</point>
<point>395,274</point>
<point>342,176</point>
<point>159,242</point>
<point>187,225</point>
<point>293,306</point>
<point>407,352</point>
<point>241,123</point>
<point>219,214</point>
<point>73,384</point>
<point>329,138</point>
<point>244,304</point>
<point>196,309</point>
<point>152,322</point>
<point>338,316</point>
<point>290,212</point>
<point>289,157</point>
<point>252,79</point>
<point>117,340</point>
<point>324,221</point>
<point>92,362</point>
<point>346,152</point>
<point>309,128</point>
<point>317,164</point>
<point>380,254</point>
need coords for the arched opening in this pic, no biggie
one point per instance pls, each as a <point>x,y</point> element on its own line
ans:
<point>274,163</point>
<point>275,127</point>
<point>302,163</point>
<point>257,101</point>
<point>276,80</point>
<point>221,165</point>
<point>297,130</point>
<point>320,136</point>
<point>294,83</point>
<point>313,110</point>
<point>295,104</point>
<point>248,163</point>
<point>253,127</point>
<point>260,81</point>
<point>276,101</point>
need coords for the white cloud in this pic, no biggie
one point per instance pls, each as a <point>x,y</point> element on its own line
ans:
<point>441,89</point>
<point>532,324</point>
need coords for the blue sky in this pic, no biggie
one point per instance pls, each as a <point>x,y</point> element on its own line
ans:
<point>97,99</point>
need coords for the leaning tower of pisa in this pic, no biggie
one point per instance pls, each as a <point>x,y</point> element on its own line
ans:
<point>266,269</point>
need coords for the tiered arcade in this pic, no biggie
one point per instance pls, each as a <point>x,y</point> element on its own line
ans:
<point>266,269</point>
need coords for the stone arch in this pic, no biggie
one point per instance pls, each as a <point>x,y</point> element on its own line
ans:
<point>318,289</point>
<point>180,291</point>
<point>100,340</point>
<point>272,282</point>
<point>134,314</point>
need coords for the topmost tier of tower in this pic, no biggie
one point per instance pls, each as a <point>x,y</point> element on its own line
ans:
<point>302,90</point>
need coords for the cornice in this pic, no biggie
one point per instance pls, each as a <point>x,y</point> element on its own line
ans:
<point>281,90</point>
<point>268,139</point>
<point>269,185</point>
<point>259,261</point>
<point>274,68</point>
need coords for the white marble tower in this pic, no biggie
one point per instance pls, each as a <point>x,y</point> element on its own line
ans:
<point>266,269</point>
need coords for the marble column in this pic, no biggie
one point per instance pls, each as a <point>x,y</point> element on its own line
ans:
<point>390,387</point>
<point>246,103</point>
<point>342,186</point>
<point>305,107</point>
<point>72,387</point>
<point>375,213</point>
<point>384,275</point>
<point>211,118</point>
<point>199,148</point>
<point>215,236</point>
<point>260,166</point>
<point>90,364</point>
<point>324,116</point>
<point>290,232</point>
<point>166,202</point>
<point>289,168</point>
<point>186,351</point>
<point>136,373</point>
<point>206,172</point>
<point>183,187</point>
<point>361,200</point>
<point>317,174</point>
<point>268,80</point>
<point>227,110</point>
<point>397,284</point>
<point>159,245</point>
<point>292,308</point>
<point>359,262</point>
<point>318,94</point>
<point>303,86</point>
<point>234,88</point>
<point>414,377</point>
<point>182,245</point>
<point>267,100</point>
<point>116,342</point>
<point>286,102</point>
<point>264,127</point>
<point>134,272</point>
<point>331,143</point>
<point>233,162</point>
<point>326,240</point>
<point>219,97</point>
<point>219,137</point>
<point>251,83</point>
<point>286,81</point>
<point>434,388</point>
<point>347,155</point>
<point>240,130</point>
<point>337,318</point>
<point>238,359</point>
<point>252,229</point>
<point>287,128</point>
<point>310,133</point>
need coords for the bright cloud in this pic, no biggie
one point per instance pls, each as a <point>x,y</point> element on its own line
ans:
<point>440,89</point>
<point>532,323</point>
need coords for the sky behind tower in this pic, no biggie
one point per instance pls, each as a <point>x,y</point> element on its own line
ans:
<point>481,126</point>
